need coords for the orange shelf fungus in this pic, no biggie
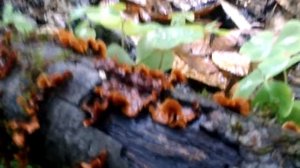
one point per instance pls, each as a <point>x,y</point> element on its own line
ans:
<point>8,59</point>
<point>238,104</point>
<point>130,101</point>
<point>19,139</point>
<point>98,47</point>
<point>29,105</point>
<point>67,39</point>
<point>79,45</point>
<point>45,81</point>
<point>95,110</point>
<point>28,127</point>
<point>171,113</point>
<point>177,77</point>
<point>292,126</point>
<point>132,89</point>
<point>98,162</point>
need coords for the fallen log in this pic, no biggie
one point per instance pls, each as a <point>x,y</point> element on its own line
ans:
<point>218,138</point>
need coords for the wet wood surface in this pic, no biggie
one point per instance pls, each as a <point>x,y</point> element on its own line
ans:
<point>218,138</point>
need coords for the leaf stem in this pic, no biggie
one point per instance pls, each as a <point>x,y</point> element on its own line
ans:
<point>123,34</point>
<point>285,78</point>
<point>161,60</point>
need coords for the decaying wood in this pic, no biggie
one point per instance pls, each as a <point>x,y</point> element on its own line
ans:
<point>218,138</point>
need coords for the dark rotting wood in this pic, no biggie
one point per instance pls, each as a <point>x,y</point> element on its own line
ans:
<point>218,138</point>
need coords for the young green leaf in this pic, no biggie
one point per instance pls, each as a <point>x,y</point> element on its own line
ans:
<point>119,6</point>
<point>154,58</point>
<point>289,37</point>
<point>83,30</point>
<point>7,13</point>
<point>77,13</point>
<point>22,24</point>
<point>259,47</point>
<point>158,59</point>
<point>295,113</point>
<point>106,16</point>
<point>131,28</point>
<point>117,52</point>
<point>246,87</point>
<point>293,60</point>
<point>275,94</point>
<point>179,18</point>
<point>154,49</point>
<point>273,66</point>
<point>110,17</point>
<point>170,37</point>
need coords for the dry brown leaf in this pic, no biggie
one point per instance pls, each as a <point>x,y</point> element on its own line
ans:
<point>199,48</point>
<point>232,62</point>
<point>201,69</point>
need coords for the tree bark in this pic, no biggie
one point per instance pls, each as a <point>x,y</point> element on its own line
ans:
<point>218,138</point>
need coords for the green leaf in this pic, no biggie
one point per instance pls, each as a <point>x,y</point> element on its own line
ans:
<point>14,163</point>
<point>7,13</point>
<point>84,31</point>
<point>117,52</point>
<point>106,16</point>
<point>154,58</point>
<point>119,6</point>
<point>293,60</point>
<point>275,94</point>
<point>170,37</point>
<point>246,87</point>
<point>77,13</point>
<point>159,59</point>
<point>110,17</point>
<point>266,70</point>
<point>155,48</point>
<point>179,18</point>
<point>273,66</point>
<point>22,24</point>
<point>259,47</point>
<point>295,113</point>
<point>289,37</point>
<point>131,28</point>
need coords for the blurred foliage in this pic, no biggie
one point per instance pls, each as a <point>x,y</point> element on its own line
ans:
<point>155,47</point>
<point>273,55</point>
<point>22,23</point>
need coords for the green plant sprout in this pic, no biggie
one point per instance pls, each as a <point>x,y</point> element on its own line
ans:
<point>273,55</point>
<point>23,24</point>
<point>155,47</point>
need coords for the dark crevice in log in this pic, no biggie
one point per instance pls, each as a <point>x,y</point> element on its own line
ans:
<point>194,147</point>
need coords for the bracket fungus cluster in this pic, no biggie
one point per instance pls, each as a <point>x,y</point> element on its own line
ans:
<point>133,89</point>
<point>21,129</point>
<point>170,112</point>
<point>45,81</point>
<point>236,104</point>
<point>8,59</point>
<point>30,105</point>
<point>98,162</point>
<point>67,39</point>
<point>32,94</point>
